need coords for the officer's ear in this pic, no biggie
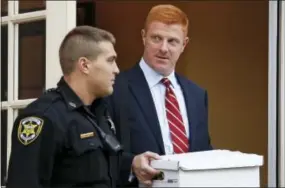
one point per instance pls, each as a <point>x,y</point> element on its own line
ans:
<point>84,65</point>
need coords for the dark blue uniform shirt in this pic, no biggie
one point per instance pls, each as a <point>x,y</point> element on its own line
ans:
<point>55,145</point>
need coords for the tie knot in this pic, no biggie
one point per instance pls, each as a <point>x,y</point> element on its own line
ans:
<point>166,82</point>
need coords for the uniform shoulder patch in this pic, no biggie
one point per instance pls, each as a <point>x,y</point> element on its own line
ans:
<point>29,129</point>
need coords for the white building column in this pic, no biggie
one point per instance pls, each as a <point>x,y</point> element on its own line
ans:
<point>282,97</point>
<point>60,20</point>
<point>272,93</point>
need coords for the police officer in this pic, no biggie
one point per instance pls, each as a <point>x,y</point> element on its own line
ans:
<point>65,138</point>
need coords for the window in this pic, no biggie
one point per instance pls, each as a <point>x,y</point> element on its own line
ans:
<point>28,41</point>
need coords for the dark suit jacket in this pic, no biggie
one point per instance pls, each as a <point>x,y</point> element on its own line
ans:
<point>135,117</point>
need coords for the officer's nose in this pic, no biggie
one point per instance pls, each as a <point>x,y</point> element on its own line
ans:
<point>116,69</point>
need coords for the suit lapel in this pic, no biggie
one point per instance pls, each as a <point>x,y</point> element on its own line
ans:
<point>190,107</point>
<point>140,89</point>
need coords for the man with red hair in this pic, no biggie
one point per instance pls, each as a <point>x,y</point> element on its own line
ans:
<point>154,108</point>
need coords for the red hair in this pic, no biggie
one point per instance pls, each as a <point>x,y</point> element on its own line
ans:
<point>168,14</point>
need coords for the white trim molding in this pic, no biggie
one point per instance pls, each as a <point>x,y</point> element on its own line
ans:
<point>16,104</point>
<point>60,20</point>
<point>282,97</point>
<point>24,17</point>
<point>272,94</point>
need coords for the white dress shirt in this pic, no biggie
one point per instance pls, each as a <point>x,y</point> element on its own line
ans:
<point>158,94</point>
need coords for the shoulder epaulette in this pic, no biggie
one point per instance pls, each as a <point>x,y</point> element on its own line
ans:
<point>50,90</point>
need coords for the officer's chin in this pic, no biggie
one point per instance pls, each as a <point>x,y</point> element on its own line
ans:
<point>108,92</point>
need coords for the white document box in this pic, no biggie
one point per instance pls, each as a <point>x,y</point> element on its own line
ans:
<point>216,168</point>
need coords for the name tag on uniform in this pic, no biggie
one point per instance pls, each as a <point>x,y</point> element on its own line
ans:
<point>87,135</point>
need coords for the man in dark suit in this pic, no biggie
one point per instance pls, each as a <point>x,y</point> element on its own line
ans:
<point>154,108</point>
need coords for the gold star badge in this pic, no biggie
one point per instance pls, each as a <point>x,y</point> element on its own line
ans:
<point>29,129</point>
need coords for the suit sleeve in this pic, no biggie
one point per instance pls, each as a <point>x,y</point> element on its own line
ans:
<point>32,152</point>
<point>206,109</point>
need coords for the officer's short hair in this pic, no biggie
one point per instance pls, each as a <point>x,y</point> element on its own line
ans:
<point>82,41</point>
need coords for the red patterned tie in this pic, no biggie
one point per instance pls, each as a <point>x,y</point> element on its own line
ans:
<point>175,121</point>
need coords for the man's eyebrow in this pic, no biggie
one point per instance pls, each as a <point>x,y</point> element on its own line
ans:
<point>155,35</point>
<point>174,38</point>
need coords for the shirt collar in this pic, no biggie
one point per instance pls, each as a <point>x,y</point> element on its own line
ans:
<point>172,79</point>
<point>153,77</point>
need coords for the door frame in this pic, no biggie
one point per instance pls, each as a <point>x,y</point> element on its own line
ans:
<point>276,94</point>
<point>282,97</point>
<point>61,19</point>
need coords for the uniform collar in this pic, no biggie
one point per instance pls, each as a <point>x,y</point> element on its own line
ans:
<point>71,99</point>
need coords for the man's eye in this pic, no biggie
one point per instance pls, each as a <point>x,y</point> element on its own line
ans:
<point>173,41</point>
<point>156,38</point>
<point>111,60</point>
